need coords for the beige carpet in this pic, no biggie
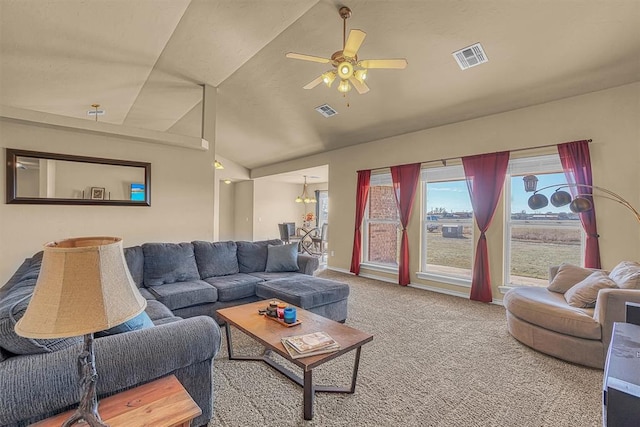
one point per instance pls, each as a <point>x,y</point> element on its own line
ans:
<point>435,360</point>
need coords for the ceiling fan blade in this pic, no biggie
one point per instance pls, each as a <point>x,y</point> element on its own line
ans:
<point>315,82</point>
<point>354,41</point>
<point>362,88</point>
<point>303,57</point>
<point>384,63</point>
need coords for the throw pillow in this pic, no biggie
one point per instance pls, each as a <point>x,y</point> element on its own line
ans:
<point>567,276</point>
<point>282,258</point>
<point>141,321</point>
<point>585,292</point>
<point>626,275</point>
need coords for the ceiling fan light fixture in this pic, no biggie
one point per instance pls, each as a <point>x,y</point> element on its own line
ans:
<point>345,70</point>
<point>328,78</point>
<point>344,86</point>
<point>361,75</point>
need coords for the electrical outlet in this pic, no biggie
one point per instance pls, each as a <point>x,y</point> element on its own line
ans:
<point>333,253</point>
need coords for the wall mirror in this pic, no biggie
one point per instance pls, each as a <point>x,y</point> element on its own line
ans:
<point>46,178</point>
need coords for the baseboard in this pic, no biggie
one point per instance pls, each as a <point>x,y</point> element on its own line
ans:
<point>413,285</point>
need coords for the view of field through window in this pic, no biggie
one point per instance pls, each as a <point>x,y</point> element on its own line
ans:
<point>448,228</point>
<point>534,240</point>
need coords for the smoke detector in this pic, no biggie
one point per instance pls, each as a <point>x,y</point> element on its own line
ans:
<point>470,56</point>
<point>326,110</point>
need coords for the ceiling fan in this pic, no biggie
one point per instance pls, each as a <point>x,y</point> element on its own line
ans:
<point>352,72</point>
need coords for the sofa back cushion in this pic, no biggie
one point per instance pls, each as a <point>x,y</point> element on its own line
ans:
<point>169,263</point>
<point>626,275</point>
<point>12,308</point>
<point>216,258</point>
<point>252,256</point>
<point>135,261</point>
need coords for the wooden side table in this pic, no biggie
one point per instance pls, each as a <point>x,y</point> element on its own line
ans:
<point>161,403</point>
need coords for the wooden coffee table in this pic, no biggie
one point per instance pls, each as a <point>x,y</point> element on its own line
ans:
<point>269,333</point>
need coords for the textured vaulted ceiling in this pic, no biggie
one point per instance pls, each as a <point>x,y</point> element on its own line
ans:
<point>144,61</point>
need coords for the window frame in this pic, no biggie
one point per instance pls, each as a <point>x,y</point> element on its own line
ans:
<point>536,165</point>
<point>454,172</point>
<point>376,180</point>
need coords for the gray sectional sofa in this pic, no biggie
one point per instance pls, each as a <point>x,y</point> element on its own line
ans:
<point>184,284</point>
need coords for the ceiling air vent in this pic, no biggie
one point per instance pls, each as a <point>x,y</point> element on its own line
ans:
<point>470,56</point>
<point>326,110</point>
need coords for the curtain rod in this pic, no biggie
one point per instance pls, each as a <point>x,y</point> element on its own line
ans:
<point>444,160</point>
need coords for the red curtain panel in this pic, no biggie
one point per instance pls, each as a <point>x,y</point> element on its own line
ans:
<point>485,178</point>
<point>405,181</point>
<point>362,193</point>
<point>576,162</point>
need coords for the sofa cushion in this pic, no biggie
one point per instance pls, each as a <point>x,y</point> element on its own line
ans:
<point>216,258</point>
<point>584,293</point>
<point>135,261</point>
<point>169,263</point>
<point>12,308</point>
<point>184,294</point>
<point>626,275</point>
<point>282,258</point>
<point>280,275</point>
<point>146,294</point>
<point>567,276</point>
<point>235,286</point>
<point>305,291</point>
<point>156,310</point>
<point>141,321</point>
<point>252,256</point>
<point>549,310</point>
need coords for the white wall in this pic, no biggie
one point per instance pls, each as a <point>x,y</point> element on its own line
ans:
<point>243,208</point>
<point>274,204</point>
<point>181,195</point>
<point>227,210</point>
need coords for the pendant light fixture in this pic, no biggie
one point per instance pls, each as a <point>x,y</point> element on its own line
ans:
<point>304,197</point>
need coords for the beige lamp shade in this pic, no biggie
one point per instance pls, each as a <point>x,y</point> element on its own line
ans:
<point>84,286</point>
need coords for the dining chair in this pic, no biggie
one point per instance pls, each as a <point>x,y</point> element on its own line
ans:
<point>321,241</point>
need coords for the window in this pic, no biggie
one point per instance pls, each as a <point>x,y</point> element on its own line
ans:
<point>535,240</point>
<point>381,223</point>
<point>322,207</point>
<point>447,223</point>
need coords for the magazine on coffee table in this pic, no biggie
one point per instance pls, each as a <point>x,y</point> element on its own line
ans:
<point>310,342</point>
<point>297,355</point>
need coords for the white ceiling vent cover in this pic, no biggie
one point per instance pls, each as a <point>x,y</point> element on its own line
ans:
<point>470,56</point>
<point>326,110</point>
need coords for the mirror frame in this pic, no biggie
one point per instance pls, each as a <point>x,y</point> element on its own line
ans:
<point>11,179</point>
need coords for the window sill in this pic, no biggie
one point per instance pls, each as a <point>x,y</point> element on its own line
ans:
<point>380,268</point>
<point>450,280</point>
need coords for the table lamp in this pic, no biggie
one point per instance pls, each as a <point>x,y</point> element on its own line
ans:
<point>84,287</point>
